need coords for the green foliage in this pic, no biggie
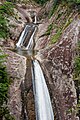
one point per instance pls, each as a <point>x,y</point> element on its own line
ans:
<point>77,76</point>
<point>53,9</point>
<point>67,23</point>
<point>74,1</point>
<point>41,1</point>
<point>56,37</point>
<point>77,66</point>
<point>49,29</point>
<point>4,85</point>
<point>77,62</point>
<point>4,111</point>
<point>3,27</point>
<point>4,82</point>
<point>69,2</point>
<point>5,10</point>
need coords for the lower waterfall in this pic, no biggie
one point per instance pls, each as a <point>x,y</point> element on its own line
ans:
<point>43,105</point>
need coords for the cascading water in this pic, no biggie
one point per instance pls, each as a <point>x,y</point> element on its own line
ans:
<point>31,42</point>
<point>23,36</point>
<point>35,19</point>
<point>43,105</point>
<point>28,33</point>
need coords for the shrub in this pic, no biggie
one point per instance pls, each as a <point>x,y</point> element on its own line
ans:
<point>5,10</point>
<point>3,27</point>
<point>4,85</point>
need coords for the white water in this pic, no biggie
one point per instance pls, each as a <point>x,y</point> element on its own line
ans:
<point>43,105</point>
<point>35,19</point>
<point>31,41</point>
<point>23,36</point>
<point>42,99</point>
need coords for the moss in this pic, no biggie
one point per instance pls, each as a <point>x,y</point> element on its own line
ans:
<point>68,22</point>
<point>69,110</point>
<point>56,37</point>
<point>49,29</point>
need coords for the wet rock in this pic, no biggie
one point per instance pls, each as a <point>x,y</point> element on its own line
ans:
<point>29,92</point>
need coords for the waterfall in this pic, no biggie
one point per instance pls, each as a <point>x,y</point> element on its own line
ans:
<point>31,42</point>
<point>35,21</point>
<point>23,35</point>
<point>43,105</point>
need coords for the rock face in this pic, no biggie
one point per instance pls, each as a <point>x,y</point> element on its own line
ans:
<point>29,92</point>
<point>57,61</point>
<point>16,67</point>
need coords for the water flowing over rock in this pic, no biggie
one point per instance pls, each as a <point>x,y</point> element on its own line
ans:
<point>43,105</point>
<point>57,61</point>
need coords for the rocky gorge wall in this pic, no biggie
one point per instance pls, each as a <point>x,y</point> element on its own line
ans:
<point>57,60</point>
<point>58,63</point>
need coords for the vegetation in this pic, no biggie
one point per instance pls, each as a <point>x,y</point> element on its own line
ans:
<point>4,85</point>
<point>77,77</point>
<point>41,1</point>
<point>3,27</point>
<point>63,16</point>
<point>74,1</point>
<point>56,37</point>
<point>5,10</point>
<point>71,3</point>
<point>49,29</point>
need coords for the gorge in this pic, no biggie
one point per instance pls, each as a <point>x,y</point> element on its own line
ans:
<point>43,106</point>
<point>44,65</point>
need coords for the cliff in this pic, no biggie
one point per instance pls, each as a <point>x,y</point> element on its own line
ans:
<point>56,48</point>
<point>56,42</point>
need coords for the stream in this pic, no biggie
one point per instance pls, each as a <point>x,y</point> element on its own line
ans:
<point>42,102</point>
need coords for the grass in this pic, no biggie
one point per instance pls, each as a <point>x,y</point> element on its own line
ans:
<point>56,37</point>
<point>49,29</point>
